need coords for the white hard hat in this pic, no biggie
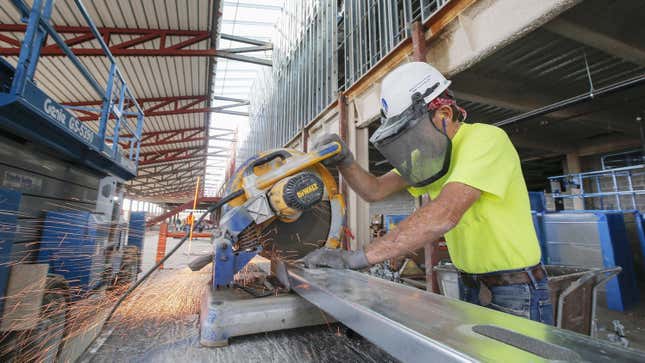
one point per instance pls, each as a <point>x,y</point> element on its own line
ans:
<point>399,85</point>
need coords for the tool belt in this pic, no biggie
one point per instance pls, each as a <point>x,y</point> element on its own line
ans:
<point>503,278</point>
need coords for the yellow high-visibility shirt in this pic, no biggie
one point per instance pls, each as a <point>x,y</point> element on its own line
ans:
<point>496,232</point>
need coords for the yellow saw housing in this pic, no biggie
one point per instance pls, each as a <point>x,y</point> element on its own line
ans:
<point>308,210</point>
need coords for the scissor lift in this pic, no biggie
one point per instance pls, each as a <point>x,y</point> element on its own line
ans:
<point>93,156</point>
<point>28,112</point>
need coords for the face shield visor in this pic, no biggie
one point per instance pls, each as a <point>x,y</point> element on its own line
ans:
<point>413,145</point>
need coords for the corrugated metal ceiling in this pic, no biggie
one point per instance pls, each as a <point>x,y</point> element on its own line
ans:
<point>147,76</point>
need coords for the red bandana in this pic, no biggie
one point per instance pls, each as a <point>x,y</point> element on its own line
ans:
<point>440,101</point>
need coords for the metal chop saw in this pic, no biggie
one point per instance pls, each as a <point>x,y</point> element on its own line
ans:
<point>282,204</point>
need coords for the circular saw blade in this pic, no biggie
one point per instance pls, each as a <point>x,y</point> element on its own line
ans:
<point>290,241</point>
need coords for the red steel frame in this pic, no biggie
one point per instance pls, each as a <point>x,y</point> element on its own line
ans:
<point>158,37</point>
<point>164,106</point>
<point>158,42</point>
<point>187,153</point>
<point>168,169</point>
<point>187,205</point>
<point>174,136</point>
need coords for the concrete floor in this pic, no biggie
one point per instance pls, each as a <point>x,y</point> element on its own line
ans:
<point>198,246</point>
<point>160,323</point>
<point>633,320</point>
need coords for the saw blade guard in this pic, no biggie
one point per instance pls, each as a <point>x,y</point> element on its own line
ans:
<point>308,211</point>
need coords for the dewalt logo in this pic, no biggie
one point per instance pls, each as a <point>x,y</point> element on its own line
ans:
<point>307,190</point>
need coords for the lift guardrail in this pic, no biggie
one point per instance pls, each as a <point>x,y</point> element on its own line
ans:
<point>611,188</point>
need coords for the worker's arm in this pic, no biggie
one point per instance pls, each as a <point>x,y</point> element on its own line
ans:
<point>426,224</point>
<point>371,188</point>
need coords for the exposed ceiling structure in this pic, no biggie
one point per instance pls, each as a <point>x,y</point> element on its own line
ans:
<point>162,48</point>
<point>168,52</point>
<point>594,45</point>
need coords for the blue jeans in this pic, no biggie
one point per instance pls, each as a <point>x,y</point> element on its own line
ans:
<point>529,300</point>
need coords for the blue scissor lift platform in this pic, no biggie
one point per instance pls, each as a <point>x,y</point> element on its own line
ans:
<point>29,113</point>
<point>77,256</point>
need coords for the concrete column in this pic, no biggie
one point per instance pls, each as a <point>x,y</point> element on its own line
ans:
<point>573,163</point>
<point>573,166</point>
<point>486,26</point>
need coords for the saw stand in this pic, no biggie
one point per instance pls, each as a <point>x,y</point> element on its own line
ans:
<point>228,311</point>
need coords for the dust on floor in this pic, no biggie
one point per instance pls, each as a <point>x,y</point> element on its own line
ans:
<point>160,323</point>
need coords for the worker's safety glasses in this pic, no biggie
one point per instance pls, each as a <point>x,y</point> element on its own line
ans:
<point>413,145</point>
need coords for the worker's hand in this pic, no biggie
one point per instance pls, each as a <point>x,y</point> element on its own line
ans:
<point>344,158</point>
<point>336,258</point>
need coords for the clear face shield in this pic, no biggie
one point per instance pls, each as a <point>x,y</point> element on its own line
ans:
<point>413,145</point>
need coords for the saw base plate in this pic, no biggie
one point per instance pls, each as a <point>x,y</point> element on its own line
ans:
<point>229,312</point>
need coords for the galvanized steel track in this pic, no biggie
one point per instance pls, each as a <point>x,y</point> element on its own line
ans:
<point>414,325</point>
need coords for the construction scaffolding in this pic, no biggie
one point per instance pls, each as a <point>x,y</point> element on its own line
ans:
<point>302,81</point>
<point>372,28</point>
<point>321,48</point>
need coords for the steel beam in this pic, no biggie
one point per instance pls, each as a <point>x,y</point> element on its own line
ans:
<point>231,99</point>
<point>182,162</point>
<point>186,156</point>
<point>183,156</point>
<point>607,43</point>
<point>158,42</point>
<point>246,40</point>
<point>172,171</point>
<point>517,96</point>
<point>159,37</point>
<point>160,180</point>
<point>174,211</point>
<point>142,101</point>
<point>244,58</point>
<point>252,6</point>
<point>163,188</point>
<point>164,133</point>
<point>415,325</point>
<point>255,48</point>
<point>169,167</point>
<point>173,105</point>
<point>156,154</point>
<point>175,141</point>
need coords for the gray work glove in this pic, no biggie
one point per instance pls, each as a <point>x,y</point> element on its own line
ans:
<point>336,258</point>
<point>344,158</point>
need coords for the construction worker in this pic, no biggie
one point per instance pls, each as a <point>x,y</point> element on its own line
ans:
<point>189,221</point>
<point>479,200</point>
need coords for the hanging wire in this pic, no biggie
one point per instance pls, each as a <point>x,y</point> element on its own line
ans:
<point>591,89</point>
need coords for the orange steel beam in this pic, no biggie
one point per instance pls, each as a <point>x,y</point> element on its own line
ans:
<point>161,243</point>
<point>180,208</point>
